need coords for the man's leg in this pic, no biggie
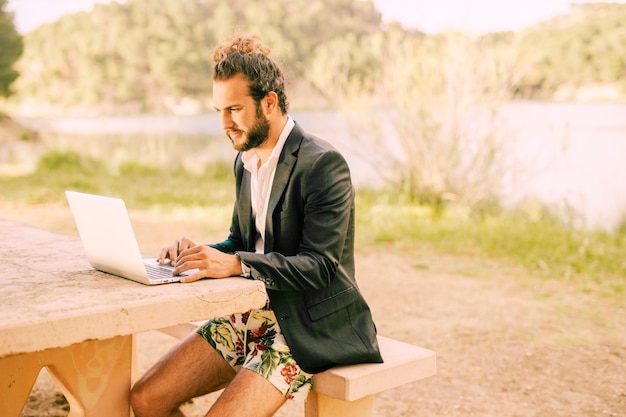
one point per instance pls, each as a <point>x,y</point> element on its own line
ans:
<point>191,369</point>
<point>248,395</point>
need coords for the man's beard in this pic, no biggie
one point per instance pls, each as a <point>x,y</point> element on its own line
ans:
<point>257,133</point>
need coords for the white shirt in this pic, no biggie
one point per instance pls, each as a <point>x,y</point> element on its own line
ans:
<point>261,183</point>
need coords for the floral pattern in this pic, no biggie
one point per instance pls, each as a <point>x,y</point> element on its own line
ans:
<point>254,341</point>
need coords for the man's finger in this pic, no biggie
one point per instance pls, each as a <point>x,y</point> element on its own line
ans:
<point>191,278</point>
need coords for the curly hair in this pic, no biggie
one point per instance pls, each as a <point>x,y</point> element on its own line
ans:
<point>246,54</point>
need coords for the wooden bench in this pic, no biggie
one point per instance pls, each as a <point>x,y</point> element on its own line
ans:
<point>348,391</point>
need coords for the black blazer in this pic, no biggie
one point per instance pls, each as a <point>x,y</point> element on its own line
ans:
<point>308,265</point>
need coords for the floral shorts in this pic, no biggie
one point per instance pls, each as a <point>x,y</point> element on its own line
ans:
<point>253,341</point>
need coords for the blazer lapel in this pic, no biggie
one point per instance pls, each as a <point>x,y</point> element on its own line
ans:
<point>244,209</point>
<point>286,162</point>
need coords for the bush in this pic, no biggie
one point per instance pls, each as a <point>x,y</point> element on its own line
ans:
<point>68,162</point>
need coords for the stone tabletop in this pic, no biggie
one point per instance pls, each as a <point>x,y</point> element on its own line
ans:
<point>50,296</point>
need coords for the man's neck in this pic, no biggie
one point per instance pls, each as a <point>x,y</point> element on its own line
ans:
<point>276,127</point>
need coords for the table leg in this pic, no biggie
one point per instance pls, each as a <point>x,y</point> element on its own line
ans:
<point>17,378</point>
<point>94,376</point>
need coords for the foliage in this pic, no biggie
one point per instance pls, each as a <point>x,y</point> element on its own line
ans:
<point>10,50</point>
<point>442,97</point>
<point>147,56</point>
<point>586,47</point>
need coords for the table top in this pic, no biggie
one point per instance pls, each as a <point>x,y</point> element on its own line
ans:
<point>50,296</point>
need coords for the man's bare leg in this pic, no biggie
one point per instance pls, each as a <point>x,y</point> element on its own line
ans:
<point>248,395</point>
<point>191,369</point>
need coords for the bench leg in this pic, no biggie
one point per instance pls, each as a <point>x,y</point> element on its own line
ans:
<point>93,375</point>
<point>319,405</point>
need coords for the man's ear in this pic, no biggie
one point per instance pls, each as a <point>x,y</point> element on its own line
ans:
<point>271,102</point>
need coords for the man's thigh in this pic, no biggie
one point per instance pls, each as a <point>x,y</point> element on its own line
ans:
<point>248,395</point>
<point>191,369</point>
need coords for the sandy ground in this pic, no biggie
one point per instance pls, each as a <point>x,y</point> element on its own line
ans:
<point>508,344</point>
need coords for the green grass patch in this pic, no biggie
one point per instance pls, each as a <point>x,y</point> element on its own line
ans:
<point>141,186</point>
<point>592,260</point>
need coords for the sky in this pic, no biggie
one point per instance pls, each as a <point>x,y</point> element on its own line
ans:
<point>473,16</point>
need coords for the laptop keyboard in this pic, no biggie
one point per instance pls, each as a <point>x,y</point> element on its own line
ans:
<point>155,272</point>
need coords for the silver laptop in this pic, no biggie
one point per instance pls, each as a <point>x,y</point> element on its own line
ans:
<point>107,235</point>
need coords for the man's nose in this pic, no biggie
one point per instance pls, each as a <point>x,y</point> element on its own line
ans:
<point>227,121</point>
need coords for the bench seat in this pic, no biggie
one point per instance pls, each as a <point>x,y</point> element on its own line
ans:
<point>347,391</point>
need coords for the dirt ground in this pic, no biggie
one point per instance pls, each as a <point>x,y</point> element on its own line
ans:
<point>508,344</point>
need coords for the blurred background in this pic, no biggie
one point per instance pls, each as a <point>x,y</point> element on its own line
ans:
<point>486,140</point>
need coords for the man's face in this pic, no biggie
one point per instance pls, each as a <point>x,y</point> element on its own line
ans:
<point>243,121</point>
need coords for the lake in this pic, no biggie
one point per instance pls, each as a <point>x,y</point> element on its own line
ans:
<point>573,153</point>
<point>579,151</point>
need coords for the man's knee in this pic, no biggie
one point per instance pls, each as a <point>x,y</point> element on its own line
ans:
<point>140,399</point>
<point>137,399</point>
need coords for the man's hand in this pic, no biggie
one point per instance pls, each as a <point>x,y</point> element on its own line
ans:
<point>212,263</point>
<point>171,252</point>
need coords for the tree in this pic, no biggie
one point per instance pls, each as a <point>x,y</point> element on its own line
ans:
<point>585,47</point>
<point>11,47</point>
<point>151,56</point>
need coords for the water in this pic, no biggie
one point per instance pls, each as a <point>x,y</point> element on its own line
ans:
<point>572,155</point>
<point>579,157</point>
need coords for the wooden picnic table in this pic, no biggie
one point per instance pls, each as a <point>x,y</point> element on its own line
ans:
<point>56,311</point>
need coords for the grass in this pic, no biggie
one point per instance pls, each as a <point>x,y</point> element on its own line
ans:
<point>542,244</point>
<point>141,186</point>
<point>546,247</point>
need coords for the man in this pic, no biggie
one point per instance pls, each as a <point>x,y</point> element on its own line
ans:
<point>293,229</point>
